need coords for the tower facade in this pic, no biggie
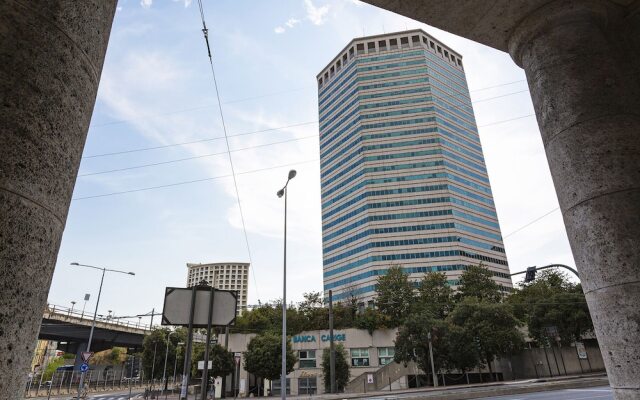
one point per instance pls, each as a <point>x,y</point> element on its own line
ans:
<point>224,275</point>
<point>403,176</point>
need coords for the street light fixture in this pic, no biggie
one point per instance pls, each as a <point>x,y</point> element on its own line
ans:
<point>73,303</point>
<point>95,313</point>
<point>283,372</point>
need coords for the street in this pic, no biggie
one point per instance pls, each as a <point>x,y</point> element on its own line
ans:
<point>601,393</point>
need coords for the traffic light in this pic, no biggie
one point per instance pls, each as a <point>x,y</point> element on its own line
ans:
<point>530,275</point>
<point>132,366</point>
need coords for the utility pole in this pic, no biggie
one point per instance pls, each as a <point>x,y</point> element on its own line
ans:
<point>332,349</point>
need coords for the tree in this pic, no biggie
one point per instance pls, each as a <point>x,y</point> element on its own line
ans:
<point>477,281</point>
<point>395,295</point>
<point>154,344</point>
<point>263,357</point>
<point>222,361</point>
<point>412,341</point>
<point>371,319</point>
<point>552,301</point>
<point>435,296</point>
<point>342,368</point>
<point>492,328</point>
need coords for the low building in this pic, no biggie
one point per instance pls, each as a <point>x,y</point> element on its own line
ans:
<point>373,369</point>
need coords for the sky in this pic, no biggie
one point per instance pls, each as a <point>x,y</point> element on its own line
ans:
<point>157,93</point>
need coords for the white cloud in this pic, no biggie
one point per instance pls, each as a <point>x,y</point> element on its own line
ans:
<point>317,15</point>
<point>146,3</point>
<point>279,29</point>
<point>292,22</point>
<point>119,8</point>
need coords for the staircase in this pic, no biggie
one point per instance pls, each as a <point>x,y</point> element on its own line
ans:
<point>382,377</point>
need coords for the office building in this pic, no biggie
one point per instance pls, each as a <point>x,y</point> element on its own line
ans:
<point>403,176</point>
<point>225,275</point>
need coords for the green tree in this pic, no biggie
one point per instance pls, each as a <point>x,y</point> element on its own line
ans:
<point>552,300</point>
<point>435,296</point>
<point>395,295</point>
<point>222,362</point>
<point>154,343</point>
<point>342,368</point>
<point>491,327</point>
<point>477,281</point>
<point>412,341</point>
<point>372,319</point>
<point>54,364</point>
<point>263,357</point>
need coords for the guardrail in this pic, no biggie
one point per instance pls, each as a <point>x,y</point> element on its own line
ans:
<point>82,316</point>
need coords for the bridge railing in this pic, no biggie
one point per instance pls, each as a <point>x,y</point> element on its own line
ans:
<point>69,313</point>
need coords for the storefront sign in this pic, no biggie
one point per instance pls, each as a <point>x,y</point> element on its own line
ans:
<point>338,337</point>
<point>304,339</point>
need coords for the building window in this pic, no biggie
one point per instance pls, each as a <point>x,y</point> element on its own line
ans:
<point>393,44</point>
<point>307,358</point>
<point>360,48</point>
<point>385,355</point>
<point>331,71</point>
<point>432,45</point>
<point>275,386</point>
<point>351,52</point>
<point>371,47</point>
<point>382,45</point>
<point>338,66</point>
<point>307,385</point>
<point>404,42</point>
<point>439,49</point>
<point>415,40</point>
<point>425,41</point>
<point>344,58</point>
<point>360,357</point>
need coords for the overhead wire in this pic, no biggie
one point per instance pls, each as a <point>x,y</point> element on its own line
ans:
<point>531,222</point>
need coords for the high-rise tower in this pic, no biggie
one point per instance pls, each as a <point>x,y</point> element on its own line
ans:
<point>403,176</point>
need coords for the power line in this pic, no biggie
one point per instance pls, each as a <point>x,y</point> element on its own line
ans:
<point>209,139</point>
<point>194,157</point>
<point>183,110</point>
<point>205,31</point>
<point>190,181</point>
<point>531,222</point>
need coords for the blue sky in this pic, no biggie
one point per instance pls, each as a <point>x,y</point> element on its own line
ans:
<point>157,90</point>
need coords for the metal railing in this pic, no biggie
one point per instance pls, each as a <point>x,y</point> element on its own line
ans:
<point>71,313</point>
<point>66,382</point>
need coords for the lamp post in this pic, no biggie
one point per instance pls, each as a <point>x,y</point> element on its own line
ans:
<point>73,303</point>
<point>175,365</point>
<point>95,313</point>
<point>166,355</point>
<point>283,373</point>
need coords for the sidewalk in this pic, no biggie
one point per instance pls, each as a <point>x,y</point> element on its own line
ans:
<point>464,392</point>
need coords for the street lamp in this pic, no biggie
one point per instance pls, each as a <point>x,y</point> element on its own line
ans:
<point>166,355</point>
<point>73,303</point>
<point>95,313</point>
<point>175,365</point>
<point>283,372</point>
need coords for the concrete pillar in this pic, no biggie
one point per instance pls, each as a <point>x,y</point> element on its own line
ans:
<point>582,64</point>
<point>51,55</point>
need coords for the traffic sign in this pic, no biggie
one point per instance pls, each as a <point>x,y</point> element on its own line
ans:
<point>177,305</point>
<point>86,355</point>
<point>237,356</point>
<point>84,367</point>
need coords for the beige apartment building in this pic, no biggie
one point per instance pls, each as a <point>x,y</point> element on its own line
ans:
<point>223,275</point>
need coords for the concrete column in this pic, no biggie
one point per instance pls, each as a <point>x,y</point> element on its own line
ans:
<point>582,64</point>
<point>51,55</point>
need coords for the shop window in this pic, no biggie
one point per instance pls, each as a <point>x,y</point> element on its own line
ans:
<point>360,357</point>
<point>275,387</point>
<point>307,385</point>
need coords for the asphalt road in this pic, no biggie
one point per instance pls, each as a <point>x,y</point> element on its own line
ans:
<point>588,393</point>
<point>599,393</point>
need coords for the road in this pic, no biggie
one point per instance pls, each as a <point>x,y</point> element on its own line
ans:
<point>600,393</point>
<point>595,393</point>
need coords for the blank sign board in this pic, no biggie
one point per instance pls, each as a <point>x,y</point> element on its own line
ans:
<point>177,304</point>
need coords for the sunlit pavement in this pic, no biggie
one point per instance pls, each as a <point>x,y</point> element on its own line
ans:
<point>600,393</point>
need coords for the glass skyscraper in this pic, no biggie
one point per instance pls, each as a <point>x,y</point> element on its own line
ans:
<point>403,176</point>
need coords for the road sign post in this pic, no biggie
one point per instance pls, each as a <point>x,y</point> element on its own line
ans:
<point>201,306</point>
